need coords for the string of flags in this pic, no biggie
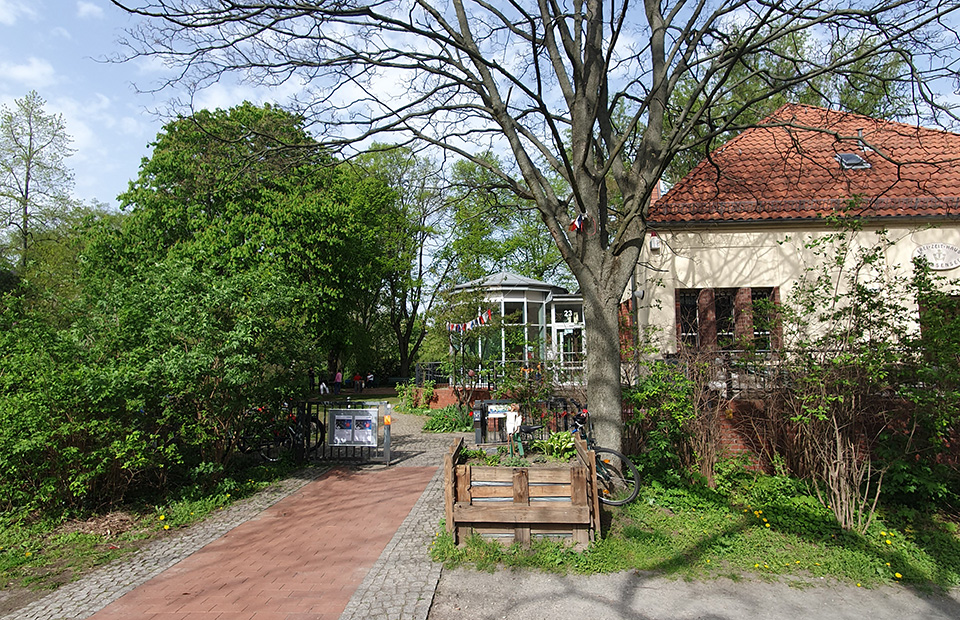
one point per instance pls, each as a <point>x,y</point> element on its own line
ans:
<point>483,319</point>
<point>577,224</point>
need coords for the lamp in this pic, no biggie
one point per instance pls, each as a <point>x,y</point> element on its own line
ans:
<point>654,242</point>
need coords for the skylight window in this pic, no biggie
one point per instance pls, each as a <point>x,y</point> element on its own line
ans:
<point>852,161</point>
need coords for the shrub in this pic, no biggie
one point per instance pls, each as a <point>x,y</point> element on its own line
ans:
<point>450,419</point>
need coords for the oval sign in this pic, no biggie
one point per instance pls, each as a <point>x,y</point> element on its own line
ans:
<point>940,256</point>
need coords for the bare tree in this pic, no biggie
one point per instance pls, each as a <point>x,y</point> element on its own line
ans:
<point>580,90</point>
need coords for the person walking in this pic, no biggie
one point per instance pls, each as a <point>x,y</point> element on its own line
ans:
<point>337,382</point>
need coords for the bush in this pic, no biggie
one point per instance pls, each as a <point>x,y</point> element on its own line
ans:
<point>450,419</point>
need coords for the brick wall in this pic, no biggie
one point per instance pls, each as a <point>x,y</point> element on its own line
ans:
<point>445,396</point>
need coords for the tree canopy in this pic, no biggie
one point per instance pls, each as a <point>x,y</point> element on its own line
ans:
<point>581,90</point>
<point>35,183</point>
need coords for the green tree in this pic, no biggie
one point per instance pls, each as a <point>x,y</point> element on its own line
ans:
<point>491,232</point>
<point>247,187</point>
<point>549,82</point>
<point>35,184</point>
<point>410,235</point>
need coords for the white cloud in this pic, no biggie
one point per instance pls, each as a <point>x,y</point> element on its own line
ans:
<point>88,9</point>
<point>35,73</point>
<point>12,10</point>
<point>62,33</point>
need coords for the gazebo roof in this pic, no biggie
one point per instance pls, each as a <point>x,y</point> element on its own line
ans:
<point>506,280</point>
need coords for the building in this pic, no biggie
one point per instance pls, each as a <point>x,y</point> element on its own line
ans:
<point>734,230</point>
<point>548,318</point>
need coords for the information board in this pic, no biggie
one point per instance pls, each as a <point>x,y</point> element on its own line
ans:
<point>353,427</point>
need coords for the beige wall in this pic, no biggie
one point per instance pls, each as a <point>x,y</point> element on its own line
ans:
<point>759,257</point>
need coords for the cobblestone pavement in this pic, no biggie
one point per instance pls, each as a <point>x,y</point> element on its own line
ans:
<point>400,584</point>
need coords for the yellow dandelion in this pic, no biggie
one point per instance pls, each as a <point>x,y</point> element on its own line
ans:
<point>798,561</point>
<point>756,566</point>
<point>766,566</point>
<point>27,554</point>
<point>883,533</point>
<point>888,542</point>
<point>166,527</point>
<point>888,563</point>
<point>897,575</point>
<point>858,585</point>
<point>162,517</point>
<point>764,520</point>
<point>766,525</point>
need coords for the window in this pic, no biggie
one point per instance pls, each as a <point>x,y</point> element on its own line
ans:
<point>727,318</point>
<point>852,161</point>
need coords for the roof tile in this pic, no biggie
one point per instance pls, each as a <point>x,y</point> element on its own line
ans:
<point>788,169</point>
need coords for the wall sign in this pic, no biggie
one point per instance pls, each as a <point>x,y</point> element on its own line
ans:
<point>941,256</point>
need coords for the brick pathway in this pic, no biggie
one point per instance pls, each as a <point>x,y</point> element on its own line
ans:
<point>301,559</point>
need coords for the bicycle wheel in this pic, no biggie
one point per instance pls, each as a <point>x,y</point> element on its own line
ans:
<point>316,437</point>
<point>617,477</point>
<point>270,452</point>
<point>273,451</point>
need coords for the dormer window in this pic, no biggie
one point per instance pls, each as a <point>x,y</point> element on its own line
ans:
<point>852,161</point>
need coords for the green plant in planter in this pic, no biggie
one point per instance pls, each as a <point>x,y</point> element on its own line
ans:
<point>558,445</point>
<point>450,419</point>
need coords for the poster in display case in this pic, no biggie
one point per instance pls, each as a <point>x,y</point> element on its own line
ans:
<point>354,427</point>
<point>342,429</point>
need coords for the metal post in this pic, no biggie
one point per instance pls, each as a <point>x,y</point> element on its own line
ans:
<point>387,423</point>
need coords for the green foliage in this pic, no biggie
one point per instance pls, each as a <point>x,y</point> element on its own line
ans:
<point>557,445</point>
<point>850,354</point>
<point>514,460</point>
<point>662,400</point>
<point>415,398</point>
<point>35,183</point>
<point>491,235</point>
<point>41,553</point>
<point>229,276</point>
<point>766,526</point>
<point>450,419</point>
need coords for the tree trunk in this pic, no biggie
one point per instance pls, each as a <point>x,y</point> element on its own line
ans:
<point>601,300</point>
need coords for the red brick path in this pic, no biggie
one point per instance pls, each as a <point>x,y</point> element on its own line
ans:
<point>301,559</point>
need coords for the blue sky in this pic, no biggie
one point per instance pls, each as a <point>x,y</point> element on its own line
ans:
<point>57,47</point>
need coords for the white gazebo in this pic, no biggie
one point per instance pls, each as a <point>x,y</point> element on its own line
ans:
<point>550,317</point>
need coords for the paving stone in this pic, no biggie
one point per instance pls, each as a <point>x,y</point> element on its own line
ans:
<point>400,584</point>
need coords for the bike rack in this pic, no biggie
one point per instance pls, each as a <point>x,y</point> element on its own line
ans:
<point>355,430</point>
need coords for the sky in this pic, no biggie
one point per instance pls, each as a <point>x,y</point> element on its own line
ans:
<point>59,48</point>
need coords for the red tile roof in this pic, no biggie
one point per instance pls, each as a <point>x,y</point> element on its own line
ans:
<point>788,170</point>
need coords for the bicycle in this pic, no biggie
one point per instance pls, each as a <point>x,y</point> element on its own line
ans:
<point>617,477</point>
<point>271,438</point>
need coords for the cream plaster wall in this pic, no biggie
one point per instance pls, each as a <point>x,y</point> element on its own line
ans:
<point>760,257</point>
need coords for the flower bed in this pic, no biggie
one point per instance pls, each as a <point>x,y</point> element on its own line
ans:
<point>518,504</point>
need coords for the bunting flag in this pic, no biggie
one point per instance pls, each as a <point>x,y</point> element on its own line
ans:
<point>577,224</point>
<point>483,319</point>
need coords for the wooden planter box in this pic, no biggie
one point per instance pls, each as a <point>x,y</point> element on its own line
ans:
<point>518,504</point>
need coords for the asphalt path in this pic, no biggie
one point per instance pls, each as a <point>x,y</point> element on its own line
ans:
<point>468,594</point>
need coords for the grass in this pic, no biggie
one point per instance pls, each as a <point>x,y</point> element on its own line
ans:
<point>769,529</point>
<point>44,552</point>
